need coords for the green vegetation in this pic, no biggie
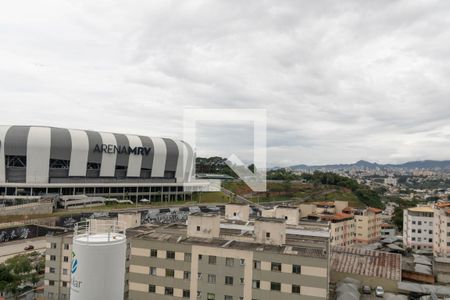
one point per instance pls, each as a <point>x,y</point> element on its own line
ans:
<point>213,165</point>
<point>397,219</point>
<point>20,271</point>
<point>331,180</point>
<point>211,197</point>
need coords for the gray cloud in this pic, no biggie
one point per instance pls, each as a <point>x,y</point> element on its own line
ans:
<point>341,80</point>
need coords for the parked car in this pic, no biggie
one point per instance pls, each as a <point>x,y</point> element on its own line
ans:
<point>379,292</point>
<point>29,247</point>
<point>366,290</point>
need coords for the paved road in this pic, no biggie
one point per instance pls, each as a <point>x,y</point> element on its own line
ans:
<point>11,249</point>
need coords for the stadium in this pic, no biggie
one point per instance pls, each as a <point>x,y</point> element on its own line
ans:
<point>37,160</point>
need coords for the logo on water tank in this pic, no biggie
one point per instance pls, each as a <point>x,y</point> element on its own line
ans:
<point>74,263</point>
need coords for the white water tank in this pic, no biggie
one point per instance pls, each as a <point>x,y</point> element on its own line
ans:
<point>98,261</point>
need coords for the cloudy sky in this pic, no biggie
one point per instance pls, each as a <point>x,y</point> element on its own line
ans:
<point>340,80</point>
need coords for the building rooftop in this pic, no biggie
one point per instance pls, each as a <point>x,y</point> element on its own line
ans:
<point>421,209</point>
<point>366,262</point>
<point>232,238</point>
<point>375,210</point>
<point>272,220</point>
<point>325,203</point>
<point>337,217</point>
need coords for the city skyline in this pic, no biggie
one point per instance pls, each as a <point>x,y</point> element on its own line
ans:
<point>340,82</point>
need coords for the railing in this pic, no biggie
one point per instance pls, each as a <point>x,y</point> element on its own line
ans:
<point>97,226</point>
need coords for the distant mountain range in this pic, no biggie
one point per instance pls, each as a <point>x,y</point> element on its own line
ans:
<point>362,164</point>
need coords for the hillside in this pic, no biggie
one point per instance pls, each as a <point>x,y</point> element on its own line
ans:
<point>362,164</point>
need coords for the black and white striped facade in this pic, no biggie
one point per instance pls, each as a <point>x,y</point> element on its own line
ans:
<point>48,157</point>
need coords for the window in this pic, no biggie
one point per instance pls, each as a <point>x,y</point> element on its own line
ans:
<point>170,273</point>
<point>199,275</point>
<point>211,278</point>
<point>296,269</point>
<point>229,262</point>
<point>241,280</point>
<point>170,254</point>
<point>228,280</point>
<point>198,228</point>
<point>53,245</point>
<point>187,275</point>
<point>52,257</point>
<point>200,257</point>
<point>65,258</point>
<point>66,246</point>
<point>267,234</point>
<point>186,293</point>
<point>64,271</point>
<point>52,270</point>
<point>212,260</point>
<point>276,267</point>
<point>51,282</point>
<point>64,284</point>
<point>413,231</point>
<point>51,295</point>
<point>242,262</point>
<point>419,222</point>
<point>256,284</point>
<point>414,222</point>
<point>187,257</point>
<point>419,230</point>
<point>153,253</point>
<point>430,231</point>
<point>228,297</point>
<point>152,271</point>
<point>257,264</point>
<point>199,294</point>
<point>168,291</point>
<point>211,296</point>
<point>275,286</point>
<point>295,289</point>
<point>152,288</point>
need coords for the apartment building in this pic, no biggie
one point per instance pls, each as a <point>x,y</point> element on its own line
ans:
<point>340,225</point>
<point>348,226</point>
<point>342,229</point>
<point>205,259</point>
<point>418,227</point>
<point>367,224</point>
<point>58,259</point>
<point>441,237</point>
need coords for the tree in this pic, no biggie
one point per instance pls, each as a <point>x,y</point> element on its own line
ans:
<point>16,271</point>
<point>287,185</point>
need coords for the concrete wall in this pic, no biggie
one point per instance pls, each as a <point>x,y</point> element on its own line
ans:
<point>290,214</point>
<point>237,212</point>
<point>273,233</point>
<point>203,226</point>
<point>306,209</point>
<point>27,209</point>
<point>340,205</point>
